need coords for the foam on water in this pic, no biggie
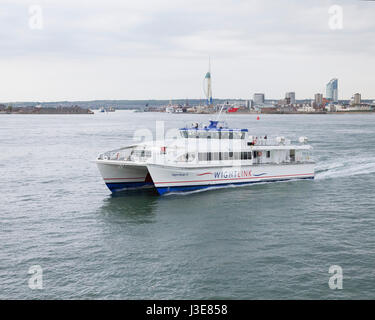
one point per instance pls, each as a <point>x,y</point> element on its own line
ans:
<point>345,168</point>
<point>213,187</point>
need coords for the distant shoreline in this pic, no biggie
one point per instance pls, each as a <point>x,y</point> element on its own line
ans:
<point>36,110</point>
<point>82,111</point>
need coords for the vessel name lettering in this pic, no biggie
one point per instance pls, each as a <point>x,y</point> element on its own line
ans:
<point>232,174</point>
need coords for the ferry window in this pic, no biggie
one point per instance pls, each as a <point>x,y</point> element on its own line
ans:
<point>203,135</point>
<point>230,154</point>
<point>249,155</point>
<point>230,135</point>
<point>202,156</point>
<point>215,156</point>
<point>225,135</point>
<point>190,156</point>
<point>237,135</point>
<point>237,155</point>
<point>225,156</point>
<point>243,155</point>
<point>215,135</point>
<point>182,158</point>
<point>192,134</point>
<point>254,154</point>
<point>242,135</point>
<point>268,154</point>
<point>292,155</point>
<point>209,156</point>
<point>184,134</point>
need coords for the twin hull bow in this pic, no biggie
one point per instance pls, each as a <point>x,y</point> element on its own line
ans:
<point>166,178</point>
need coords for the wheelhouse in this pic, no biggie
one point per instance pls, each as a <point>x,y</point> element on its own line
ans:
<point>215,130</point>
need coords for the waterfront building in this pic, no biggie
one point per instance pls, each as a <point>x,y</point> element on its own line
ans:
<point>258,98</point>
<point>249,104</point>
<point>357,99</point>
<point>332,90</point>
<point>290,97</point>
<point>306,108</point>
<point>318,99</point>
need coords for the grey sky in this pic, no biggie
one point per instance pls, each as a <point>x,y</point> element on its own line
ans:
<point>159,49</point>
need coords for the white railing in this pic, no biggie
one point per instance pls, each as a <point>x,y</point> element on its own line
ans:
<point>262,141</point>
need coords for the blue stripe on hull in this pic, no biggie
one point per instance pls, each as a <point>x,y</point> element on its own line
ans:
<point>164,190</point>
<point>120,186</point>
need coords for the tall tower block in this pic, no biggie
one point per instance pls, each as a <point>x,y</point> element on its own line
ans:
<point>208,85</point>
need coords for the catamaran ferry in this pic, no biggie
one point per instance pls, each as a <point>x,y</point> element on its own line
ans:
<point>203,157</point>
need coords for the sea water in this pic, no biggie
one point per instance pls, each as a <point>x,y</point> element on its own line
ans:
<point>266,241</point>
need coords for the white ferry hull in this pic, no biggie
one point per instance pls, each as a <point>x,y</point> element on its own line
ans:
<point>173,179</point>
<point>124,177</point>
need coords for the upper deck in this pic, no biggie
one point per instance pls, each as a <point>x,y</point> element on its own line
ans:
<point>215,144</point>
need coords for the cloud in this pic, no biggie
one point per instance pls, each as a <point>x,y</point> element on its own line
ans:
<point>161,31</point>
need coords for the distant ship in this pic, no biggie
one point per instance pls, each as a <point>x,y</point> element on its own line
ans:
<point>102,109</point>
<point>233,109</point>
<point>169,109</point>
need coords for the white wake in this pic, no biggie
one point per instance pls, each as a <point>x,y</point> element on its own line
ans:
<point>345,168</point>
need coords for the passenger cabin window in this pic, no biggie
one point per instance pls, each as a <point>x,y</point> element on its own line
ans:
<point>268,154</point>
<point>292,154</point>
<point>215,156</point>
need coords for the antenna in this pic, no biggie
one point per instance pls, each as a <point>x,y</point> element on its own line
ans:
<point>219,114</point>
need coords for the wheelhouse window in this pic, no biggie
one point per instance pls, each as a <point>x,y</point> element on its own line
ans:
<point>224,135</point>
<point>212,134</point>
<point>192,134</point>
